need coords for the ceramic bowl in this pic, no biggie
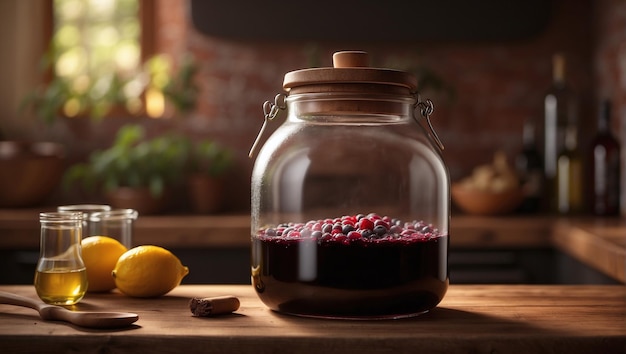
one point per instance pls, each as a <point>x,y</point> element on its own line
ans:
<point>478,202</point>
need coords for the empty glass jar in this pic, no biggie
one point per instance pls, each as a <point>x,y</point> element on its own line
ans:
<point>350,197</point>
<point>87,209</point>
<point>116,224</point>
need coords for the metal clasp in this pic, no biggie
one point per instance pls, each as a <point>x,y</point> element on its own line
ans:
<point>426,109</point>
<point>270,111</point>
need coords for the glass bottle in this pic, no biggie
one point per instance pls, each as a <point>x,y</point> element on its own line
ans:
<point>529,166</point>
<point>116,224</point>
<point>61,277</point>
<point>569,176</point>
<point>559,113</point>
<point>350,197</point>
<point>605,167</point>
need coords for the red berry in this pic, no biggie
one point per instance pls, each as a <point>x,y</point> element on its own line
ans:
<point>353,235</point>
<point>381,223</point>
<point>366,224</point>
<point>340,237</point>
<point>348,222</point>
<point>349,218</point>
<point>373,216</point>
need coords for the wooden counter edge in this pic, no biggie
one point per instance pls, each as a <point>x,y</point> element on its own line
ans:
<point>590,248</point>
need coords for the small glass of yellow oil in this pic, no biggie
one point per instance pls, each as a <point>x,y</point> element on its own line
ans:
<point>61,277</point>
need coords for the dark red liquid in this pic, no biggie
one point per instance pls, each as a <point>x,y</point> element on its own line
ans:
<point>360,279</point>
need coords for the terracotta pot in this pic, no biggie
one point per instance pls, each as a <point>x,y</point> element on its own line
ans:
<point>139,199</point>
<point>29,172</point>
<point>205,193</point>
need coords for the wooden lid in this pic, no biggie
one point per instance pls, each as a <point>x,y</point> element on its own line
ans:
<point>349,67</point>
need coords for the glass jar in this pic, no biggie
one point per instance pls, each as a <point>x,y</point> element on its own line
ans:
<point>87,209</point>
<point>350,197</point>
<point>116,224</point>
<point>61,277</point>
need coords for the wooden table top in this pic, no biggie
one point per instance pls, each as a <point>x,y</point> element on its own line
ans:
<point>471,318</point>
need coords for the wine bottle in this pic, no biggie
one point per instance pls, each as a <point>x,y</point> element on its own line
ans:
<point>569,175</point>
<point>604,167</point>
<point>529,166</point>
<point>560,112</point>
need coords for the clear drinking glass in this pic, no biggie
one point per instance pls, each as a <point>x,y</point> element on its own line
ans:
<point>61,277</point>
<point>116,223</point>
<point>88,209</point>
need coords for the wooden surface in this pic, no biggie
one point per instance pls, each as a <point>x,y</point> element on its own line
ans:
<point>600,244</point>
<point>471,319</point>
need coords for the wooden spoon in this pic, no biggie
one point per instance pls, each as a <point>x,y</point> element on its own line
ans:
<point>89,319</point>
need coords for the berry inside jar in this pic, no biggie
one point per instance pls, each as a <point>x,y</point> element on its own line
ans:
<point>355,266</point>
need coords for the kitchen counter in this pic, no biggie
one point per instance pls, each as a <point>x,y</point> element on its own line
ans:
<point>471,318</point>
<point>597,242</point>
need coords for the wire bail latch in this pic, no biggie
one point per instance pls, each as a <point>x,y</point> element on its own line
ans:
<point>426,109</point>
<point>270,111</point>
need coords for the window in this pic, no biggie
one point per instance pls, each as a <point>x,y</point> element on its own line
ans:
<point>97,54</point>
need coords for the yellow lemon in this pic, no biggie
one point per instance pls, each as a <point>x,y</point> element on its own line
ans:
<point>148,271</point>
<point>100,254</point>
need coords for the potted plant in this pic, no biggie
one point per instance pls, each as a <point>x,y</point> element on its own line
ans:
<point>135,172</point>
<point>94,96</point>
<point>207,165</point>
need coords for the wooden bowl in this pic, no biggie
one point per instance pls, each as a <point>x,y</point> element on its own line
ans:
<point>29,172</point>
<point>486,203</point>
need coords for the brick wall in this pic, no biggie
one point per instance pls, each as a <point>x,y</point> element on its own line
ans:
<point>498,85</point>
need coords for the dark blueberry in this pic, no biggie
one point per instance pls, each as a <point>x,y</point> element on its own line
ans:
<point>366,233</point>
<point>316,234</point>
<point>327,228</point>
<point>270,232</point>
<point>337,226</point>
<point>396,222</point>
<point>347,228</point>
<point>287,231</point>
<point>359,217</point>
<point>375,236</point>
<point>396,229</point>
<point>380,230</point>
<point>326,237</point>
